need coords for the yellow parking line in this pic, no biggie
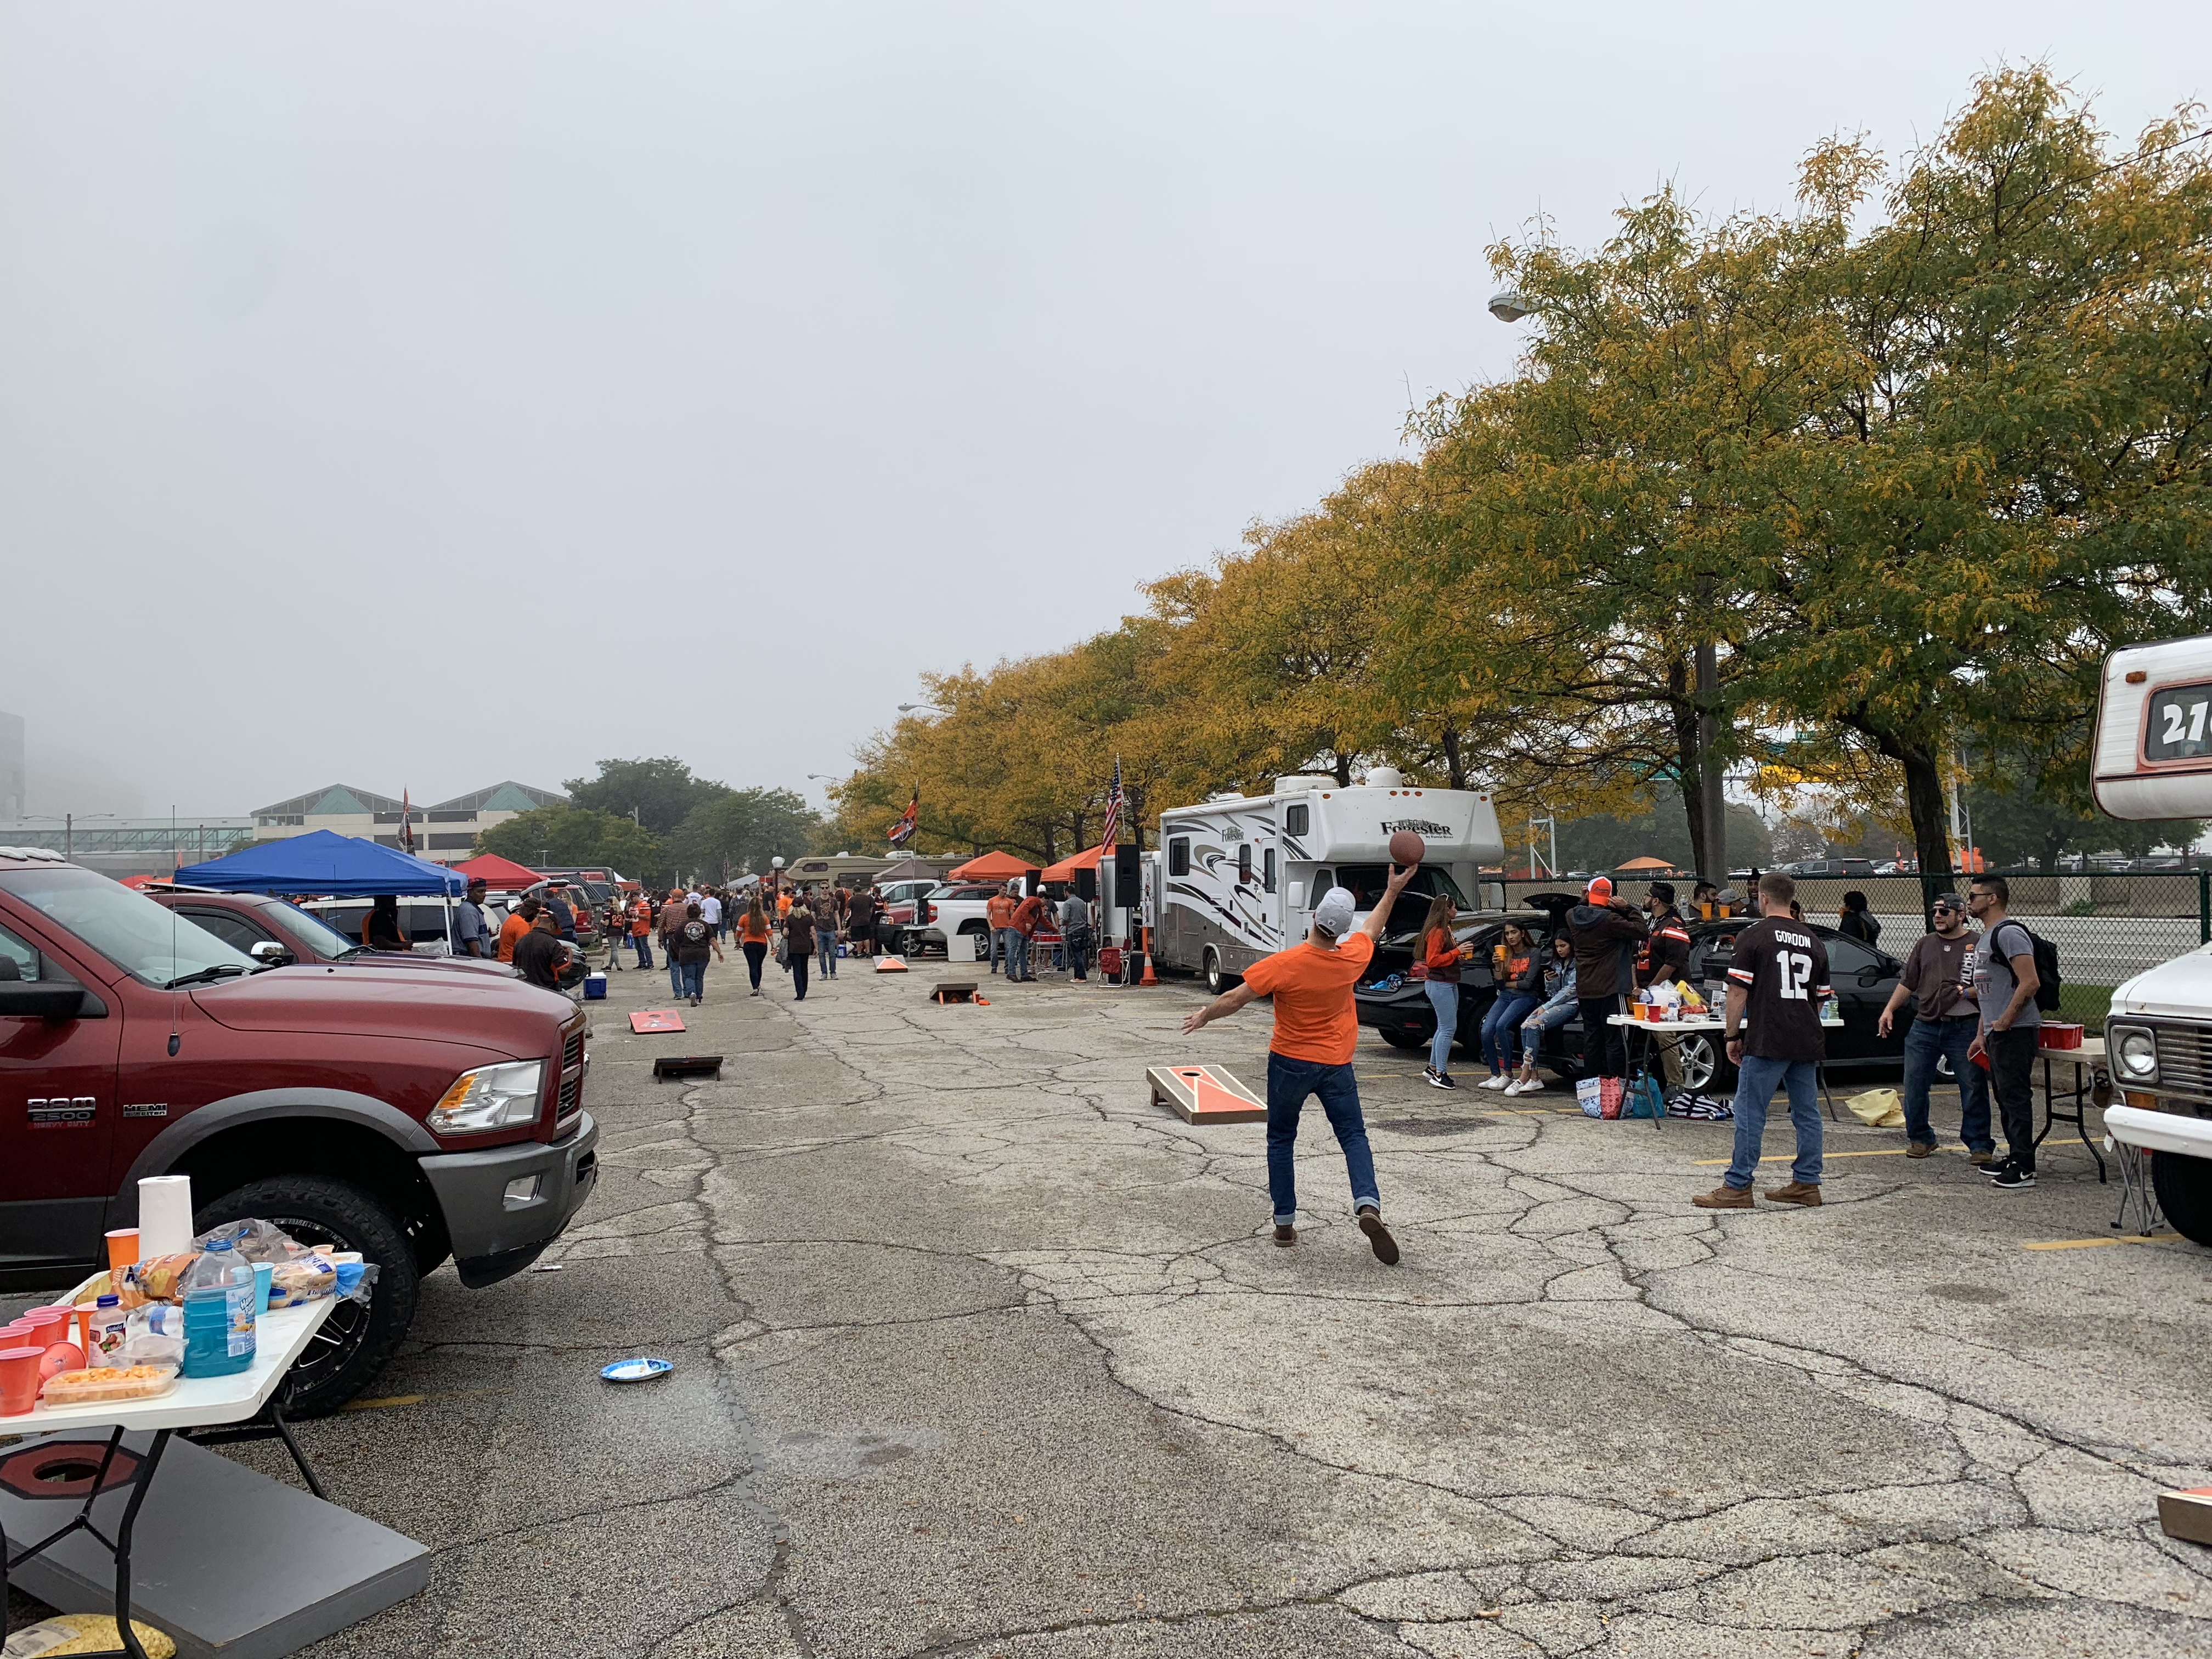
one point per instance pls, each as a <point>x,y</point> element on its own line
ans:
<point>384,1403</point>
<point>2093,1243</point>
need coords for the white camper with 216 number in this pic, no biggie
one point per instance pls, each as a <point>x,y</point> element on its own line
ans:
<point>2152,759</point>
<point>1235,877</point>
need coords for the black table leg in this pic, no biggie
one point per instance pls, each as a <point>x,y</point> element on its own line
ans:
<point>298,1458</point>
<point>145,1478</point>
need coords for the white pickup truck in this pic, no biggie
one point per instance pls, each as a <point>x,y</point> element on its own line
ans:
<point>2152,759</point>
<point>955,907</point>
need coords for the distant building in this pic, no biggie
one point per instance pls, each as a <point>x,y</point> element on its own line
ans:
<point>15,780</point>
<point>129,847</point>
<point>445,831</point>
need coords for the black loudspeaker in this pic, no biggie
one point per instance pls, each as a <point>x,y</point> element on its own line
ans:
<point>1128,859</point>
<point>1087,884</point>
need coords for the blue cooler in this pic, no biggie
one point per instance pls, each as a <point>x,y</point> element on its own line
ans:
<point>595,988</point>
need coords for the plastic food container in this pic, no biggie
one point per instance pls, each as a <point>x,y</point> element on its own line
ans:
<point>102,1388</point>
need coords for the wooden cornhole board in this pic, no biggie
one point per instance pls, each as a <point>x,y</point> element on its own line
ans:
<point>891,964</point>
<point>648,1021</point>
<point>951,991</point>
<point>1206,1093</point>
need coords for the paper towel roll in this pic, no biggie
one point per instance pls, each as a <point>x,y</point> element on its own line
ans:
<point>165,1216</point>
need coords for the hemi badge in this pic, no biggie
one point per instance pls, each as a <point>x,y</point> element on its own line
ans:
<point>151,1109</point>
<point>61,1112</point>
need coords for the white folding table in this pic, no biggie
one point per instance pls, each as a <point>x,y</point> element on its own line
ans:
<point>280,1337</point>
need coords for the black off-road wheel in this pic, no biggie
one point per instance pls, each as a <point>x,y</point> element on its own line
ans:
<point>2183,1185</point>
<point>356,1342</point>
<point>1398,1039</point>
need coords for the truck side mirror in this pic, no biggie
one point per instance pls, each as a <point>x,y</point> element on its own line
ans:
<point>41,999</point>
<point>268,950</point>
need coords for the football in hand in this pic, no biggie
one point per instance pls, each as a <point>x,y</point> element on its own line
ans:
<point>1406,849</point>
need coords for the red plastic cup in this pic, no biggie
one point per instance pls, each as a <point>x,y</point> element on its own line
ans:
<point>19,1380</point>
<point>41,1319</point>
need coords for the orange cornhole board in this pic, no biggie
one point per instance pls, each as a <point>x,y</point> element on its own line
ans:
<point>891,964</point>
<point>1206,1093</point>
<point>648,1021</point>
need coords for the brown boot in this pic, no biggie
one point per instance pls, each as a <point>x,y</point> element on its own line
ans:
<point>1286,1235</point>
<point>1725,1197</point>
<point>1796,1192</point>
<point>1378,1236</point>
<point>1920,1149</point>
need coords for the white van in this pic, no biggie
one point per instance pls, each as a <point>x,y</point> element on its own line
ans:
<point>2152,759</point>
<point>1235,877</point>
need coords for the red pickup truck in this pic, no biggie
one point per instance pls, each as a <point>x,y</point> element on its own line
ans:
<point>412,1117</point>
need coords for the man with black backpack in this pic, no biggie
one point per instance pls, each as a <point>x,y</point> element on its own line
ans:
<point>2004,989</point>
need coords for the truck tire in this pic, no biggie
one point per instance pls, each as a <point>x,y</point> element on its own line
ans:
<point>2183,1185</point>
<point>356,1342</point>
<point>1398,1039</point>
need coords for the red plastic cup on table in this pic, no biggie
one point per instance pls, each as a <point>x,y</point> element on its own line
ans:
<point>19,1380</point>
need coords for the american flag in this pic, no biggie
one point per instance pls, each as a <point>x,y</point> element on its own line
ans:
<point>900,832</point>
<point>1113,809</point>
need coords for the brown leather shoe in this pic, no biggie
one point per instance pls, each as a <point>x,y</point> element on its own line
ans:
<point>1796,1192</point>
<point>1286,1236</point>
<point>1983,1160</point>
<point>1920,1149</point>
<point>1725,1197</point>
<point>1386,1247</point>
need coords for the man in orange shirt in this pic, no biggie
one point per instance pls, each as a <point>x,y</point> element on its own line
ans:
<point>1316,1029</point>
<point>516,924</point>
<point>999,911</point>
<point>640,929</point>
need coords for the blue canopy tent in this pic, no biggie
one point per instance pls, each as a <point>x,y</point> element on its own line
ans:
<point>322,862</point>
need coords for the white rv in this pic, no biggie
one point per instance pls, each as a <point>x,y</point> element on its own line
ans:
<point>1236,876</point>
<point>2152,759</point>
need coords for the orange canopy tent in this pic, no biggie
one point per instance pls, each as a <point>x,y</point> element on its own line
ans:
<point>1065,869</point>
<point>990,867</point>
<point>504,875</point>
<point>1648,866</point>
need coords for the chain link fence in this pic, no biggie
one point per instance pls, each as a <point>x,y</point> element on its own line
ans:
<point>2107,927</point>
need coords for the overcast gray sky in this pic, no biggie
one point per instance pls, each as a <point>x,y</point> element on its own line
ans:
<point>422,395</point>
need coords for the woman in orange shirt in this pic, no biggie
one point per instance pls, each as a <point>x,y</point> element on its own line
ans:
<point>752,938</point>
<point>1440,957</point>
<point>1520,987</point>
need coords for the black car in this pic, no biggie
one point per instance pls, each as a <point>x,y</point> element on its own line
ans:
<point>1862,977</point>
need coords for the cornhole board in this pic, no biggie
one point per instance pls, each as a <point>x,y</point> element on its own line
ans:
<point>233,1564</point>
<point>955,991</point>
<point>646,1022</point>
<point>687,1065</point>
<point>891,964</point>
<point>1206,1093</point>
<point>2186,1515</point>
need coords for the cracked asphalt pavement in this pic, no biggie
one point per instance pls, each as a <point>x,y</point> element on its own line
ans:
<point>979,1353</point>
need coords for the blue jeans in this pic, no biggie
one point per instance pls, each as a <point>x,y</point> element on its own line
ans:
<point>1289,1082</point>
<point>1017,954</point>
<point>675,969</point>
<point>1924,1041</point>
<point>643,943</point>
<point>1002,948</point>
<point>826,945</point>
<point>695,979</point>
<point>1443,997</point>
<point>1757,1078</point>
<point>1501,1029</point>
<point>1078,954</point>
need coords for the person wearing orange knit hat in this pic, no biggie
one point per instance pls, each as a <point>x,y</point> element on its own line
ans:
<point>1607,931</point>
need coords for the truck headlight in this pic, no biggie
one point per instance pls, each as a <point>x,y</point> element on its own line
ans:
<point>2134,1053</point>
<point>490,1097</point>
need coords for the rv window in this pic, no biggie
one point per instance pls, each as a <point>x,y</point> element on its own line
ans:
<point>1179,856</point>
<point>1267,871</point>
<point>2175,728</point>
<point>1243,862</point>
<point>1294,819</point>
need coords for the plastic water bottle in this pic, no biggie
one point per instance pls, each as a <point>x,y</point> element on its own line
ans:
<point>218,1313</point>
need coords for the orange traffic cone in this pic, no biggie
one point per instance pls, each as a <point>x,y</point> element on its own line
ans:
<point>1148,979</point>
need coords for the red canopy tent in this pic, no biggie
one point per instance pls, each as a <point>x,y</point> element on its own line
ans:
<point>1065,869</point>
<point>504,875</point>
<point>990,867</point>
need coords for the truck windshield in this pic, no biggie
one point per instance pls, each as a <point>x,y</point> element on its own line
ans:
<point>148,942</point>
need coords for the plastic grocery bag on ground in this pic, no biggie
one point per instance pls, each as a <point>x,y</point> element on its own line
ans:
<point>1587,1096</point>
<point>1878,1108</point>
<point>1646,1099</point>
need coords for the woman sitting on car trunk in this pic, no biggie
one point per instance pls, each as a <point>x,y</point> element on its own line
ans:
<point>1520,987</point>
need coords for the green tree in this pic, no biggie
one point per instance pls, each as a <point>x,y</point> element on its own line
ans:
<point>1602,842</point>
<point>662,792</point>
<point>742,831</point>
<point>574,837</point>
<point>2018,821</point>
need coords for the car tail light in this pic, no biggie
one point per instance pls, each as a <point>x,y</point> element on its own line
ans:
<point>928,913</point>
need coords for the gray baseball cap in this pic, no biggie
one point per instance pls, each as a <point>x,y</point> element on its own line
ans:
<point>1332,915</point>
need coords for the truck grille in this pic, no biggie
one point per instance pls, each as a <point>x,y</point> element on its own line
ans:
<point>572,1090</point>
<point>572,1051</point>
<point>2184,1059</point>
